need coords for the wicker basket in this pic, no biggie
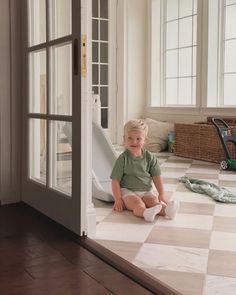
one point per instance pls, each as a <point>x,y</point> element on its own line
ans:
<point>200,141</point>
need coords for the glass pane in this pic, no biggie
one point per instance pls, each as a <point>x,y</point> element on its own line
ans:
<point>172,64</point>
<point>61,80</point>
<point>104,118</point>
<point>185,62</point>
<point>194,91</point>
<point>95,74</point>
<point>36,21</point>
<point>171,9</point>
<point>195,6</point>
<point>230,56</point>
<point>185,8</point>
<point>103,8</point>
<point>185,32</point>
<point>172,35</point>
<point>37,150</point>
<point>60,18</point>
<point>61,156</point>
<point>171,91</point>
<point>230,22</point>
<point>95,29</point>
<point>194,73</point>
<point>104,30</point>
<point>229,89</point>
<point>195,30</point>
<point>37,81</point>
<point>104,96</point>
<point>104,75</point>
<point>95,8</point>
<point>95,52</point>
<point>95,90</point>
<point>185,91</point>
<point>104,52</point>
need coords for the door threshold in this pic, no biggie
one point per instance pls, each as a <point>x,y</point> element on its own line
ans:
<point>125,267</point>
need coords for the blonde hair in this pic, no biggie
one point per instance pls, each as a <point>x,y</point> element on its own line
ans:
<point>136,124</point>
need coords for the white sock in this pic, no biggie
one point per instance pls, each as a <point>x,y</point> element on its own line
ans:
<point>172,209</point>
<point>150,213</point>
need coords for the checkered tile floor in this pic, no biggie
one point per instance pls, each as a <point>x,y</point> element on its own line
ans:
<point>196,252</point>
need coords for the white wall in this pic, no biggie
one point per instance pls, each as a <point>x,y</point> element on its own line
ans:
<point>136,57</point>
<point>131,61</point>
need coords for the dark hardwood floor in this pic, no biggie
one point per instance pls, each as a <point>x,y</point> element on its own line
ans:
<point>38,256</point>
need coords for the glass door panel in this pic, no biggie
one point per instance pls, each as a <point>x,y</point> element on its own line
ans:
<point>37,22</point>
<point>37,81</point>
<point>37,148</point>
<point>61,156</point>
<point>53,86</point>
<point>61,79</point>
<point>60,18</point>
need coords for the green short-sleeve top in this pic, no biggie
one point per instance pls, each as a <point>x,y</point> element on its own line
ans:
<point>135,173</point>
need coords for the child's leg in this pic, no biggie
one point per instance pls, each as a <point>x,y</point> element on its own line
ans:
<point>135,204</point>
<point>138,207</point>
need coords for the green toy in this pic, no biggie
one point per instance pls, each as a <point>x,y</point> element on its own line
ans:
<point>226,134</point>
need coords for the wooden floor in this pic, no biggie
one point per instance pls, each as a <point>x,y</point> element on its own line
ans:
<point>37,256</point>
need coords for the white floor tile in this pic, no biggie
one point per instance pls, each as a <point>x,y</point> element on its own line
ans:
<point>225,209</point>
<point>229,177</point>
<point>216,285</point>
<point>223,241</point>
<point>123,232</point>
<point>172,258</point>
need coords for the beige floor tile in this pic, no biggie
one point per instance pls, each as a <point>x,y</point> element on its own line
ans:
<point>173,170</point>
<point>226,183</point>
<point>175,159</point>
<point>126,250</point>
<point>184,282</point>
<point>222,263</point>
<point>197,208</point>
<point>124,217</point>
<point>224,224</point>
<point>186,237</point>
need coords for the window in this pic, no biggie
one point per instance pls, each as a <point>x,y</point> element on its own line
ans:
<point>100,62</point>
<point>229,54</point>
<point>183,46</point>
<point>177,46</point>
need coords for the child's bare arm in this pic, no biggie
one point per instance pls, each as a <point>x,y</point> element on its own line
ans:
<point>119,204</point>
<point>160,188</point>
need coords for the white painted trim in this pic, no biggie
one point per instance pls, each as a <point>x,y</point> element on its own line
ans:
<point>112,100</point>
<point>191,111</point>
<point>122,67</point>
<point>87,213</point>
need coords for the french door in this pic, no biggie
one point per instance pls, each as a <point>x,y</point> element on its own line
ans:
<point>52,110</point>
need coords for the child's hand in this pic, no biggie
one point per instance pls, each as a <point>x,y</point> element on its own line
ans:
<point>119,205</point>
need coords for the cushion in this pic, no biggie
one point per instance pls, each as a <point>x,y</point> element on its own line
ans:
<point>157,134</point>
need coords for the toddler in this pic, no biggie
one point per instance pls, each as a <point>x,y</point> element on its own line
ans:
<point>133,174</point>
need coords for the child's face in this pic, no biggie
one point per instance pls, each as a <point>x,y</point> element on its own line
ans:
<point>134,141</point>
